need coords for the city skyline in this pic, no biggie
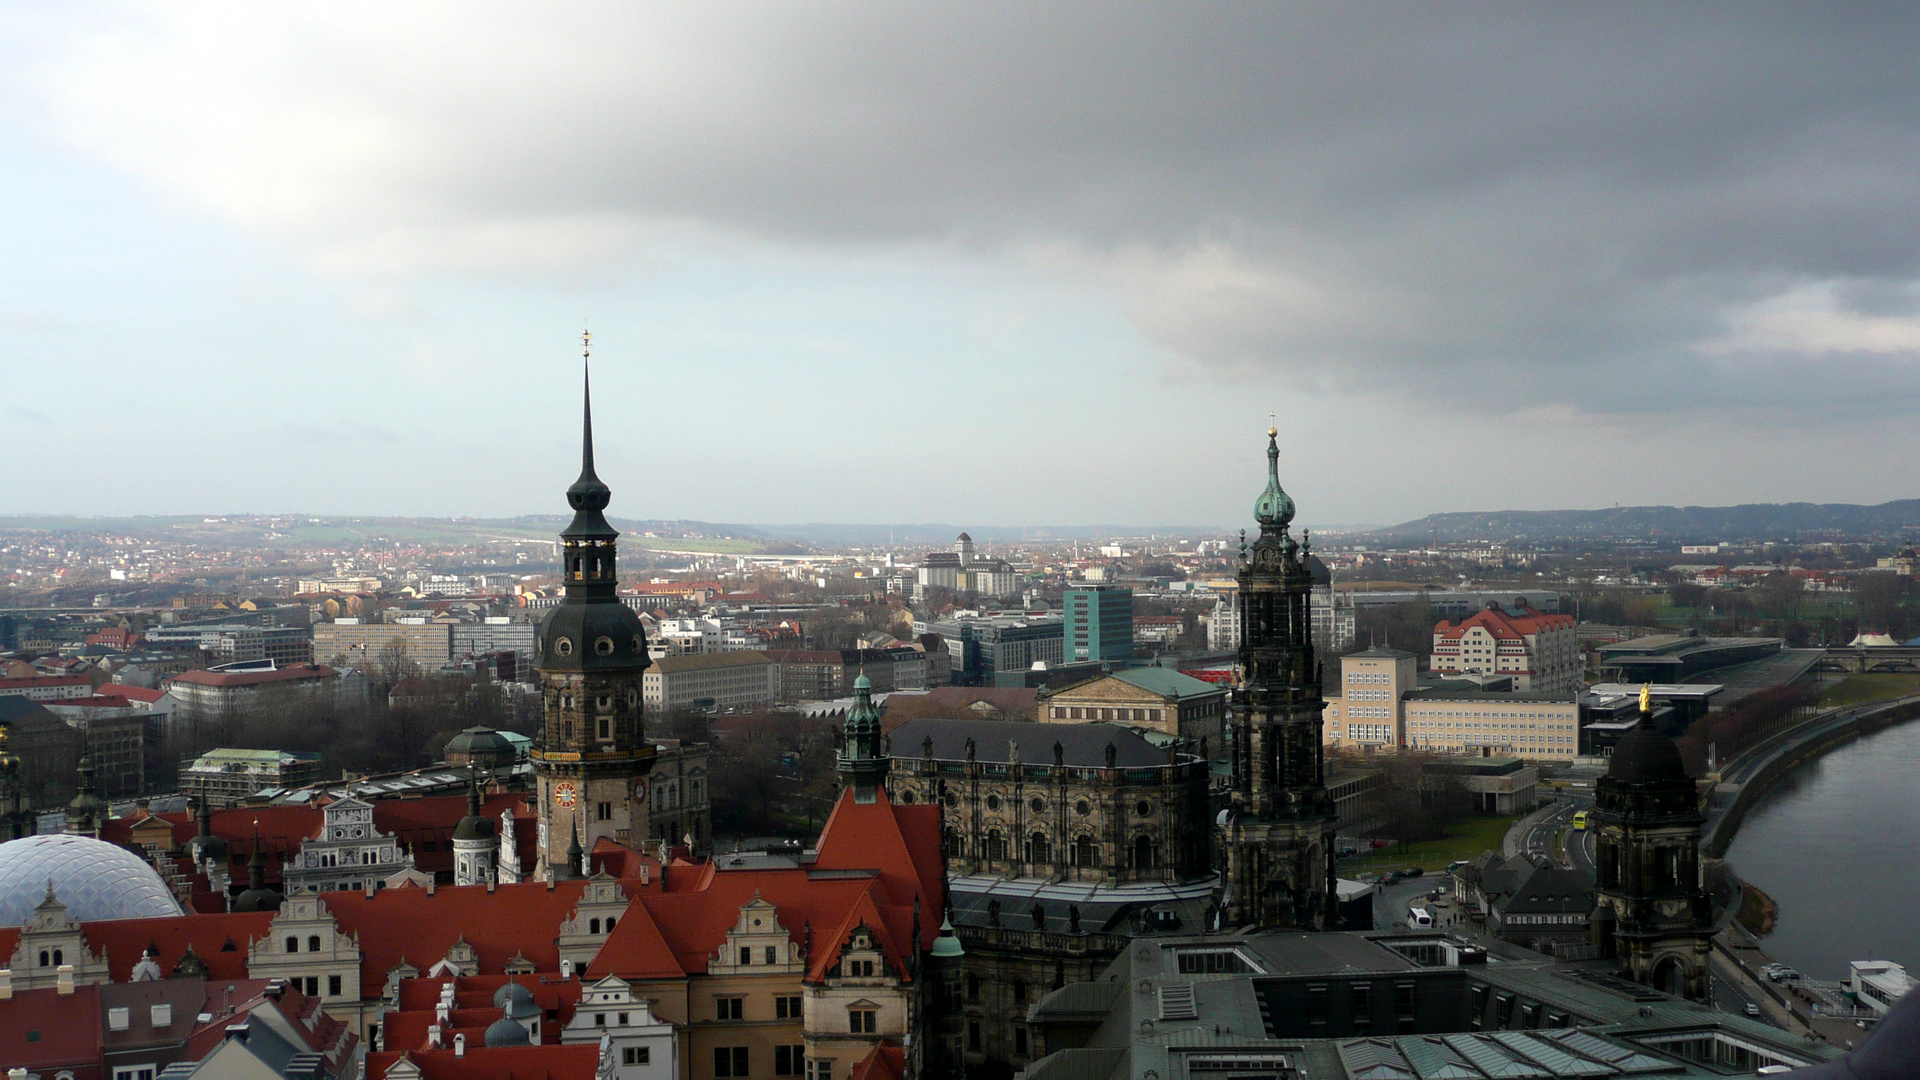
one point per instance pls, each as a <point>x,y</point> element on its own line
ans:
<point>1561,259</point>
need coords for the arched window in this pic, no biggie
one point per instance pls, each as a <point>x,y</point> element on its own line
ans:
<point>46,958</point>
<point>996,846</point>
<point>610,921</point>
<point>58,959</point>
<point>593,926</point>
<point>1143,852</point>
<point>1084,853</point>
<point>1037,850</point>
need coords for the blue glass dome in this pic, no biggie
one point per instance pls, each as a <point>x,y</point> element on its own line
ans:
<point>94,879</point>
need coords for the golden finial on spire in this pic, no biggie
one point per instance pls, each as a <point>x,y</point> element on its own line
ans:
<point>1273,425</point>
<point>1646,697</point>
<point>586,342</point>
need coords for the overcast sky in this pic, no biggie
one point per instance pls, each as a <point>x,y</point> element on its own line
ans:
<point>989,264</point>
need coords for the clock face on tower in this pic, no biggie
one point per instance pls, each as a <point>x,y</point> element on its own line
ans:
<point>639,791</point>
<point>565,793</point>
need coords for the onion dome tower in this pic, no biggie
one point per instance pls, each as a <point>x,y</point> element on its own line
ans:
<point>474,845</point>
<point>863,758</point>
<point>1276,836</point>
<point>1651,912</point>
<point>592,757</point>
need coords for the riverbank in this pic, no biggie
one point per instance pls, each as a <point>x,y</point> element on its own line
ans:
<point>1758,770</point>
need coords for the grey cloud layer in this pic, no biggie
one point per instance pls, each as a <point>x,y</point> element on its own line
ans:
<point>1563,204</point>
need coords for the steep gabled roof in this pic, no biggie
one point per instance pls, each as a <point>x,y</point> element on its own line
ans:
<point>220,941</point>
<point>902,843</point>
<point>420,926</point>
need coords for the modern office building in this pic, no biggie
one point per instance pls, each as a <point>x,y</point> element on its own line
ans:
<point>352,643</point>
<point>1367,712</point>
<point>1098,621</point>
<point>997,650</point>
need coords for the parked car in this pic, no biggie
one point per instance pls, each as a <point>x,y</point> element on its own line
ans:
<point>1412,871</point>
<point>1392,878</point>
<point>1378,843</point>
<point>1750,1009</point>
<point>1455,865</point>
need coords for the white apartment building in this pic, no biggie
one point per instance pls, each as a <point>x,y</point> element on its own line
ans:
<point>1540,652</point>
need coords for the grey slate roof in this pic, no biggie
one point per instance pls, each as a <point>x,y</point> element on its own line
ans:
<point>1084,745</point>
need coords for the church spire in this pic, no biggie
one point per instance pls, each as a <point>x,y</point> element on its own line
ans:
<point>863,760</point>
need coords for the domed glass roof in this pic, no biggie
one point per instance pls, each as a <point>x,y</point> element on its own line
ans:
<point>94,879</point>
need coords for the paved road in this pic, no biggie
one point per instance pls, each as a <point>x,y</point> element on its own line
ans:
<point>1536,835</point>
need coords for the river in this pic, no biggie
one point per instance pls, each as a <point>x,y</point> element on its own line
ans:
<point>1836,843</point>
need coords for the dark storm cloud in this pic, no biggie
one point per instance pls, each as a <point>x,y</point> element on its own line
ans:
<point>1610,206</point>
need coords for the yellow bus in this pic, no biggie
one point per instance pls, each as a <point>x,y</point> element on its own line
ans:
<point>1580,820</point>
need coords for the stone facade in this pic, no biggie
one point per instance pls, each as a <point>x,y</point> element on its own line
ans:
<point>349,853</point>
<point>1276,836</point>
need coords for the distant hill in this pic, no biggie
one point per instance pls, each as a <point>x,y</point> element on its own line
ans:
<point>1677,524</point>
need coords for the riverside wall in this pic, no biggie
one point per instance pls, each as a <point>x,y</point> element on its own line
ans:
<point>1726,822</point>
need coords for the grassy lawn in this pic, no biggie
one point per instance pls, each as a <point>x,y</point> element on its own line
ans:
<point>1855,689</point>
<point>1465,839</point>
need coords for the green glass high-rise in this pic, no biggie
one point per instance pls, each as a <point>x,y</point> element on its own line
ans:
<point>1099,624</point>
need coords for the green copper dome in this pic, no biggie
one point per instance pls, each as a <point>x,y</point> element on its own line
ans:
<point>1274,507</point>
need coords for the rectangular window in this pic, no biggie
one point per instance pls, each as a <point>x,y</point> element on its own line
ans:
<point>786,1007</point>
<point>333,986</point>
<point>789,1060</point>
<point>133,1072</point>
<point>861,1021</point>
<point>636,1055</point>
<point>603,811</point>
<point>821,1069</point>
<point>729,1008</point>
<point>973,1034</point>
<point>729,1062</point>
<point>770,955</point>
<point>1019,1042</point>
<point>746,956</point>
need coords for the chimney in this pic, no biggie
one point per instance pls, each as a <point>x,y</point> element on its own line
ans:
<point>6,984</point>
<point>370,887</point>
<point>433,1037</point>
<point>646,872</point>
<point>459,1046</point>
<point>566,969</point>
<point>430,884</point>
<point>63,976</point>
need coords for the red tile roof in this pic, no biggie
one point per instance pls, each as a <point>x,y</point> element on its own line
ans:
<point>139,693</point>
<point>886,1062</point>
<point>1502,626</point>
<point>419,927</point>
<point>31,682</point>
<point>220,941</point>
<point>44,1030</point>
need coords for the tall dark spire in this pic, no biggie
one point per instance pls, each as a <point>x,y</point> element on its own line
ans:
<point>588,495</point>
<point>863,759</point>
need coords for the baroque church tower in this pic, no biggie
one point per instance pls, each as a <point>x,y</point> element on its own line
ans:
<point>592,757</point>
<point>1651,913</point>
<point>1277,835</point>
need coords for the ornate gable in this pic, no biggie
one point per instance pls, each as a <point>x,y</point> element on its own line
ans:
<point>758,944</point>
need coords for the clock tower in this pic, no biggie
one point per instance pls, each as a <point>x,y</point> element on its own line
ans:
<point>591,758</point>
